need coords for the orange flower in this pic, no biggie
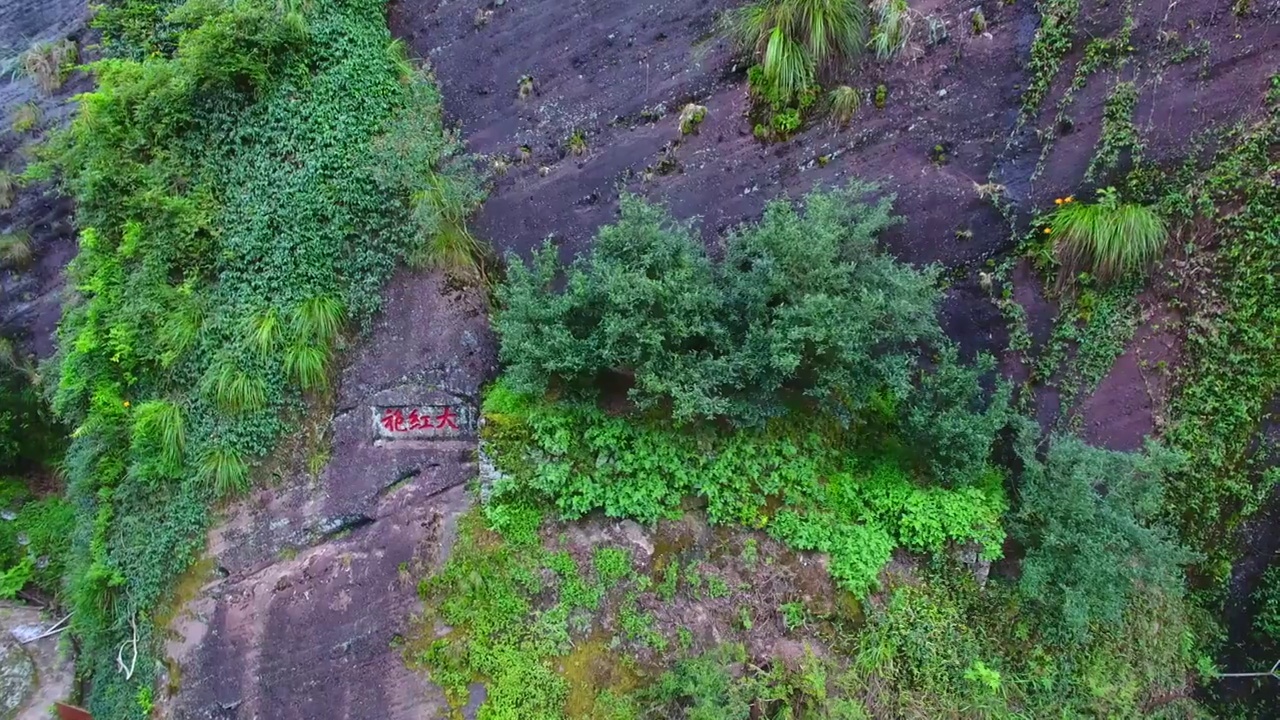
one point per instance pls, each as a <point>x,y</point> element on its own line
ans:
<point>126,403</point>
<point>1070,198</point>
<point>1048,230</point>
<point>1057,201</point>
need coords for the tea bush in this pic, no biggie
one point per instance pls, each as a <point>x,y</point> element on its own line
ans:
<point>804,308</point>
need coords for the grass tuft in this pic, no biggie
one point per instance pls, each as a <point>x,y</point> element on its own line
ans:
<point>441,213</point>
<point>306,365</point>
<point>234,390</point>
<point>398,55</point>
<point>47,64</point>
<point>318,320</point>
<point>163,420</point>
<point>795,39</point>
<point>8,189</point>
<point>892,29</point>
<point>265,331</point>
<point>15,250</point>
<point>26,117</point>
<point>844,102</point>
<point>180,331</point>
<point>1107,238</point>
<point>226,469</point>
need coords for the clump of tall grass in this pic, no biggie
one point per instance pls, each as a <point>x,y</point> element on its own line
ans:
<point>164,421</point>
<point>1107,238</point>
<point>796,39</point>
<point>894,21</point>
<point>25,118</point>
<point>235,390</point>
<point>439,211</point>
<point>15,250</point>
<point>47,64</point>
<point>225,468</point>
<point>8,188</point>
<point>844,102</point>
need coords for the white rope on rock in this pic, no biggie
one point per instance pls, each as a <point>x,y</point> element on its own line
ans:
<point>128,671</point>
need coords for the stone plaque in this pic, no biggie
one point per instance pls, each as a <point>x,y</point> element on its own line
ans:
<point>424,422</point>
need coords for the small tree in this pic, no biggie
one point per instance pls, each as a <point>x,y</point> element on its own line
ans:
<point>644,303</point>
<point>816,309</point>
<point>951,423</point>
<point>1086,517</point>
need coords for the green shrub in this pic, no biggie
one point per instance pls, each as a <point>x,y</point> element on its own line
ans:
<point>1107,238</point>
<point>786,317</point>
<point>1086,518</point>
<point>951,424</point>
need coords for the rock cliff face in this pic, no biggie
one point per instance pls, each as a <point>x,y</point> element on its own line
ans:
<point>31,293</point>
<point>618,73</point>
<point>309,583</point>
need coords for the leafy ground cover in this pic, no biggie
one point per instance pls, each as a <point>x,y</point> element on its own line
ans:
<point>240,207</point>
<point>1233,370</point>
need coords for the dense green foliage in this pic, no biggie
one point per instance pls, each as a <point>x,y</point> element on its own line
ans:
<point>577,459</point>
<point>803,306</point>
<point>1267,595</point>
<point>945,648</point>
<point>1233,366</point>
<point>237,211</point>
<point>28,435</point>
<point>533,623</point>
<point>33,544</point>
<point>1107,238</point>
<point>1087,520</point>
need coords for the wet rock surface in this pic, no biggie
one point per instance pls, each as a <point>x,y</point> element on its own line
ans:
<point>36,667</point>
<point>17,677</point>
<point>309,584</point>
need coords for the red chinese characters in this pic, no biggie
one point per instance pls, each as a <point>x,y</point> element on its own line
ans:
<point>395,420</point>
<point>447,418</point>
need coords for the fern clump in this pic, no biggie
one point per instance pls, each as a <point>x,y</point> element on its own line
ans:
<point>1107,238</point>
